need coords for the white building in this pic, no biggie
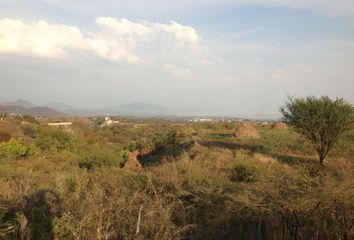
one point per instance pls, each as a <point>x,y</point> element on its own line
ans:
<point>108,122</point>
<point>60,124</point>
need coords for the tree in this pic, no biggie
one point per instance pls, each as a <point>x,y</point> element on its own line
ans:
<point>321,120</point>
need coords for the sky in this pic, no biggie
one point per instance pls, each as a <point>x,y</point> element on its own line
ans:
<point>216,57</point>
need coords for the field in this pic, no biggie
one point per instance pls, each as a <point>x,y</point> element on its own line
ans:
<point>196,181</point>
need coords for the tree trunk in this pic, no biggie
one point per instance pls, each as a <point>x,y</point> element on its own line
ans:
<point>321,156</point>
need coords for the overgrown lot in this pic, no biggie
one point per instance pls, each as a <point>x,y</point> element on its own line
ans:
<point>196,182</point>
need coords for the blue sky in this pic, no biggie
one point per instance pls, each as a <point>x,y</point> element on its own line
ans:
<point>233,57</point>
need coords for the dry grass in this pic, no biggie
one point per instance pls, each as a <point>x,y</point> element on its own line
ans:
<point>214,188</point>
<point>245,130</point>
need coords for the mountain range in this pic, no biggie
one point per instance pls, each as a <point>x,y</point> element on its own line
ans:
<point>25,107</point>
<point>135,109</point>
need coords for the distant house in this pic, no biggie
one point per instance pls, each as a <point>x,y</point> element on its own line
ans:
<point>201,120</point>
<point>108,122</point>
<point>205,120</point>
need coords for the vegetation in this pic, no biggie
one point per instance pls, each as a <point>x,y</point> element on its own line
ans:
<point>320,120</point>
<point>197,182</point>
<point>15,149</point>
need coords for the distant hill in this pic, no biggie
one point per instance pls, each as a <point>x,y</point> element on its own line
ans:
<point>21,103</point>
<point>26,108</point>
<point>136,109</point>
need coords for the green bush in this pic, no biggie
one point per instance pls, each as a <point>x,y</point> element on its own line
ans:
<point>15,149</point>
<point>160,140</point>
<point>123,157</point>
<point>52,139</point>
<point>100,156</point>
<point>134,146</point>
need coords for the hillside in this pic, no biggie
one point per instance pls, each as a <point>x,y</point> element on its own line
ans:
<point>26,108</point>
<point>136,109</point>
<point>20,103</point>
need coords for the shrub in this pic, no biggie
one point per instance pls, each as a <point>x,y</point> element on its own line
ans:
<point>134,146</point>
<point>99,156</point>
<point>52,139</point>
<point>15,149</point>
<point>243,173</point>
<point>123,157</point>
<point>160,140</point>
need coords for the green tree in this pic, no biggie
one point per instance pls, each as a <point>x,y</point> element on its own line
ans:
<point>321,120</point>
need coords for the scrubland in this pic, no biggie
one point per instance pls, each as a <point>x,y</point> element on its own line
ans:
<point>197,181</point>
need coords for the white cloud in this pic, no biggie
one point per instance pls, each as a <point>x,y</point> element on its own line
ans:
<point>181,36</point>
<point>122,27</point>
<point>115,40</point>
<point>39,38</point>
